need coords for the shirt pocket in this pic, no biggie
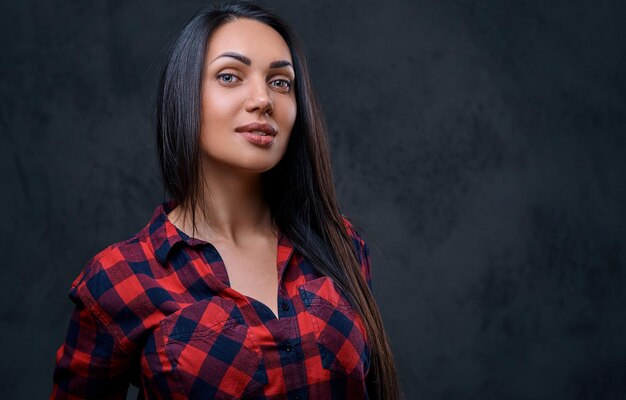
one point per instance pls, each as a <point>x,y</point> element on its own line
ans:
<point>339,330</point>
<point>212,352</point>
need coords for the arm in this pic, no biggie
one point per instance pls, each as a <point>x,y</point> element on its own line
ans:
<point>95,360</point>
<point>90,363</point>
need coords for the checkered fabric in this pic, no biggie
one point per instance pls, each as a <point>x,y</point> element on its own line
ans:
<point>157,311</point>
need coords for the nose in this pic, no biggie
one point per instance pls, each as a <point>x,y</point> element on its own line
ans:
<point>259,98</point>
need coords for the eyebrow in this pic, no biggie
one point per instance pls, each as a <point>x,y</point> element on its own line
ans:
<point>243,59</point>
<point>280,64</point>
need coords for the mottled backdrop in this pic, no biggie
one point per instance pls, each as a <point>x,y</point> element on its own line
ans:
<point>480,145</point>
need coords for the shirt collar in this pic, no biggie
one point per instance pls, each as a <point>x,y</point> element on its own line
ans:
<point>164,236</point>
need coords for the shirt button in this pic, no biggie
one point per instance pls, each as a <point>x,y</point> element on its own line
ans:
<point>285,306</point>
<point>297,397</point>
<point>288,348</point>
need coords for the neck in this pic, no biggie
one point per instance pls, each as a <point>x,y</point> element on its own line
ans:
<point>235,209</point>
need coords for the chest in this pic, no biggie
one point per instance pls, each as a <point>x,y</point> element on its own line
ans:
<point>253,272</point>
<point>320,347</point>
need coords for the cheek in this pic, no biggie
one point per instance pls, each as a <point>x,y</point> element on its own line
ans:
<point>289,115</point>
<point>289,121</point>
<point>217,110</point>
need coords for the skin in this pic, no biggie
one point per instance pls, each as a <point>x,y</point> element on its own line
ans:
<point>235,94</point>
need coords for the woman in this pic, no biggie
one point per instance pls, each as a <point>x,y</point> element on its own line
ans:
<point>191,306</point>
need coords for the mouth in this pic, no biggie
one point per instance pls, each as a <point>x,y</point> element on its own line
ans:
<point>258,128</point>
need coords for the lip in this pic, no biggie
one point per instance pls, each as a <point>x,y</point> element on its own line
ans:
<point>257,126</point>
<point>257,139</point>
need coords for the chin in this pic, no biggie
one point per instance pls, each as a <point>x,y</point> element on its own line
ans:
<point>258,163</point>
<point>250,163</point>
<point>255,166</point>
<point>259,169</point>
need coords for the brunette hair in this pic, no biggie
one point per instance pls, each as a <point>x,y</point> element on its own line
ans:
<point>307,211</point>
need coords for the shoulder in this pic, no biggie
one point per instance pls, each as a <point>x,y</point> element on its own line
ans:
<point>353,232</point>
<point>112,285</point>
<point>117,261</point>
<point>350,227</point>
<point>360,246</point>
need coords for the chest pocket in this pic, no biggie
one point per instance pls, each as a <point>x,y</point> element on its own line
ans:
<point>339,329</point>
<point>210,351</point>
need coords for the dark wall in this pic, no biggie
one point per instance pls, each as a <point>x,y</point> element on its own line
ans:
<point>480,145</point>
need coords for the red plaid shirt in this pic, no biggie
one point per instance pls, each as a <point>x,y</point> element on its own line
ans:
<point>157,311</point>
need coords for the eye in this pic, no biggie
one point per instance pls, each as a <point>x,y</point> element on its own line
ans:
<point>282,84</point>
<point>227,78</point>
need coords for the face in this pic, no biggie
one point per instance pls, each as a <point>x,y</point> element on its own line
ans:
<point>248,98</point>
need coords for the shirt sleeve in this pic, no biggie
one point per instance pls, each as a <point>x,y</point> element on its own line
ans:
<point>89,364</point>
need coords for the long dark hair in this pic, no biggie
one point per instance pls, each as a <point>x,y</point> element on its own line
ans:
<point>308,213</point>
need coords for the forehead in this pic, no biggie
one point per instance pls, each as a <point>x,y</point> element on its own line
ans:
<point>251,38</point>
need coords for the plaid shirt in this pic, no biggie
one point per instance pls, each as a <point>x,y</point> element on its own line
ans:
<point>157,311</point>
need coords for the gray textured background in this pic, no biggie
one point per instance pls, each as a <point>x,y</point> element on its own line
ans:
<point>479,144</point>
